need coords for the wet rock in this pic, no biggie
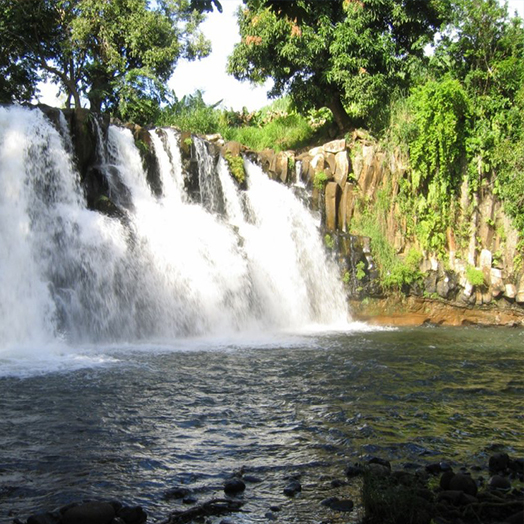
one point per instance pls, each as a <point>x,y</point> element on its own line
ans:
<point>234,486</point>
<point>44,518</point>
<point>134,515</point>
<point>382,462</point>
<point>276,509</point>
<point>91,513</point>
<point>516,518</point>
<point>464,483</point>
<point>337,504</point>
<point>378,470</point>
<point>456,497</point>
<point>445,466</point>
<point>353,470</point>
<point>337,483</point>
<point>189,499</point>
<point>517,465</point>
<point>434,468</point>
<point>500,483</point>
<point>270,516</point>
<point>445,480</point>
<point>292,488</point>
<point>498,462</point>
<point>177,493</point>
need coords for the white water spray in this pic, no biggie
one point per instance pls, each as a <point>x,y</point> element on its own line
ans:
<point>235,262</point>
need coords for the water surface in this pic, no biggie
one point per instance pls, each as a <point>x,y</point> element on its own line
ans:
<point>132,422</point>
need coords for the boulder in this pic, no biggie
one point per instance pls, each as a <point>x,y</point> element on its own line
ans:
<point>234,486</point>
<point>292,488</point>
<point>90,513</point>
<point>132,515</point>
<point>510,291</point>
<point>44,518</point>
<point>353,470</point>
<point>516,518</point>
<point>497,283</point>
<point>445,479</point>
<point>464,483</point>
<point>498,462</point>
<point>335,146</point>
<point>499,482</point>
<point>337,504</point>
<point>177,493</point>
<point>443,287</point>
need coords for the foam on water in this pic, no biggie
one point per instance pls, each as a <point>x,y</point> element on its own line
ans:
<point>219,267</point>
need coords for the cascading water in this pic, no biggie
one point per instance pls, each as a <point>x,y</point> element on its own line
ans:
<point>170,268</point>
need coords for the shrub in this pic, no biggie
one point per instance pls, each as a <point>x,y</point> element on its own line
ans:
<point>475,276</point>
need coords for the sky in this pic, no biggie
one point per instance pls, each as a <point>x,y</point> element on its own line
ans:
<point>209,74</point>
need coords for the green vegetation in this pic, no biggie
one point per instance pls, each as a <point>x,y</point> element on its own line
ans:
<point>396,272</point>
<point>475,276</point>
<point>118,55</point>
<point>320,180</point>
<point>360,273</point>
<point>346,55</point>
<point>329,241</point>
<point>236,166</point>
<point>456,113</point>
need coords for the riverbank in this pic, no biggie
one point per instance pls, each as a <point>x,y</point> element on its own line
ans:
<point>399,310</point>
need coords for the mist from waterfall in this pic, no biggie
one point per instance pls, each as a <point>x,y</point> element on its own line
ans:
<point>173,266</point>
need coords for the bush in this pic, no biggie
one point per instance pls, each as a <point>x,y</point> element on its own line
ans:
<point>475,276</point>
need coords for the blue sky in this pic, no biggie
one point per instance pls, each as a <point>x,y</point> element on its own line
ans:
<point>209,75</point>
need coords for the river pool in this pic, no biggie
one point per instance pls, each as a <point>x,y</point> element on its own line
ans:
<point>131,423</point>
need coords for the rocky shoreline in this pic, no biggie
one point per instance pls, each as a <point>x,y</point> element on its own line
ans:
<point>435,493</point>
<point>409,311</point>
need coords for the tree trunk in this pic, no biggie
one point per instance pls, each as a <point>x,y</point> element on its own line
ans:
<point>339,114</point>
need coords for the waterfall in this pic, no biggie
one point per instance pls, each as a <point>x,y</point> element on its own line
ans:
<point>170,267</point>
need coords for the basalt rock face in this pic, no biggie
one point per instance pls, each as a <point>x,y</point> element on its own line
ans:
<point>87,131</point>
<point>345,177</point>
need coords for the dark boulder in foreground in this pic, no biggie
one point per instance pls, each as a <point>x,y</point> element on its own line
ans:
<point>234,486</point>
<point>90,513</point>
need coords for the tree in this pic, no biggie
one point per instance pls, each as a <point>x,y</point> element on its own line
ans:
<point>102,50</point>
<point>345,55</point>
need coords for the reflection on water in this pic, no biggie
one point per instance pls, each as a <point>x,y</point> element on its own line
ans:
<point>149,419</point>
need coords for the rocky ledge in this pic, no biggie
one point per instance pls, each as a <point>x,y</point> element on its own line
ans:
<point>414,311</point>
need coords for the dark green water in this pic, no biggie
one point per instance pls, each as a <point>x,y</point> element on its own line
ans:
<point>130,423</point>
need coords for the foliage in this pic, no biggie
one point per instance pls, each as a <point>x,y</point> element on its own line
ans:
<point>360,270</point>
<point>319,181</point>
<point>291,131</point>
<point>474,276</point>
<point>342,55</point>
<point>191,114</point>
<point>103,51</point>
<point>236,166</point>
<point>395,273</point>
<point>329,241</point>
<point>441,116</point>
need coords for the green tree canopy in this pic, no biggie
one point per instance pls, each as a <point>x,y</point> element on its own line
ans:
<point>346,55</point>
<point>95,49</point>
